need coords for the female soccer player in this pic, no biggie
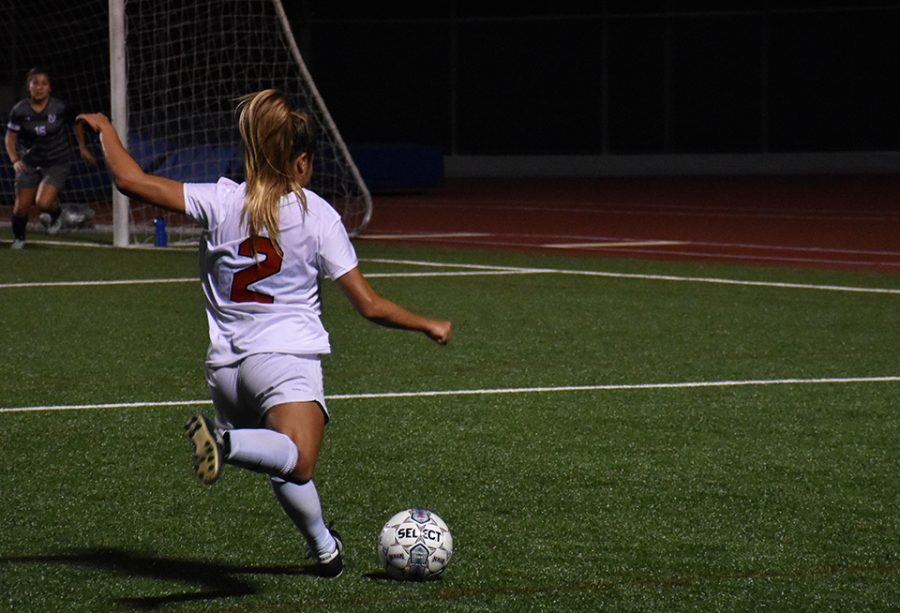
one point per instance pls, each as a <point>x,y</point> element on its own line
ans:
<point>38,146</point>
<point>266,244</point>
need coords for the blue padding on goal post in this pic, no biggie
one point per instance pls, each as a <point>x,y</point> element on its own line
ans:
<point>399,167</point>
<point>204,164</point>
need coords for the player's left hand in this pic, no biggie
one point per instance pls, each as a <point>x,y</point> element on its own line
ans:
<point>440,331</point>
<point>96,121</point>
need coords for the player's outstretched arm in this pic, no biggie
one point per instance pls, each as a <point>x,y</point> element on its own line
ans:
<point>130,178</point>
<point>382,311</point>
<point>83,150</point>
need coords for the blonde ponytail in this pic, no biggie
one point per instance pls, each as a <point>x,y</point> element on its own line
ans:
<point>273,136</point>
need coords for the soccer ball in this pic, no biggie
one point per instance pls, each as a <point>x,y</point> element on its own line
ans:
<point>415,544</point>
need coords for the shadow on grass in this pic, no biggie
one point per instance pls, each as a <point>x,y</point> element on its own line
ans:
<point>210,579</point>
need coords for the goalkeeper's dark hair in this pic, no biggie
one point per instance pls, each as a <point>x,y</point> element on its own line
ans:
<point>274,134</point>
<point>36,70</point>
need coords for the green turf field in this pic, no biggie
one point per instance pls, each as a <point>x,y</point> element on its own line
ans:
<point>647,439</point>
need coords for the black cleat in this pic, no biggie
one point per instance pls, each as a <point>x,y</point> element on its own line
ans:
<point>331,565</point>
<point>207,453</point>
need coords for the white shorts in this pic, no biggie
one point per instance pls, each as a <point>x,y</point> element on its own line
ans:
<point>242,393</point>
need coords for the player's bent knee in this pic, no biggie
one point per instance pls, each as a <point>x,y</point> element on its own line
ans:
<point>304,469</point>
<point>303,472</point>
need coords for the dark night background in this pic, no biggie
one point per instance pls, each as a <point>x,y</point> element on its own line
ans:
<point>613,78</point>
<point>575,78</point>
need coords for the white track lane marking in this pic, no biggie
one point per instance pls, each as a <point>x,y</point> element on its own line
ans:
<point>456,273</point>
<point>419,235</point>
<point>613,244</point>
<point>675,210</point>
<point>749,246</point>
<point>488,391</point>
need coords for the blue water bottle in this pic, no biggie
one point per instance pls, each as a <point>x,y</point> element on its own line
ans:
<point>160,225</point>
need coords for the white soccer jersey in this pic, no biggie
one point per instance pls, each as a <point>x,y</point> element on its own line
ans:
<point>271,304</point>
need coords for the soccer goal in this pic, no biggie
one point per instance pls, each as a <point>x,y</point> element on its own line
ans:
<point>174,72</point>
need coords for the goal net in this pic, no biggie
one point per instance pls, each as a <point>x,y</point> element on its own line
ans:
<point>187,62</point>
<point>69,40</point>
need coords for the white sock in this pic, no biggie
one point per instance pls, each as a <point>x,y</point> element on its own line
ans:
<point>263,451</point>
<point>301,503</point>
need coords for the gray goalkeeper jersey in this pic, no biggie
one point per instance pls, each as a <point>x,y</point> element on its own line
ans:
<point>43,138</point>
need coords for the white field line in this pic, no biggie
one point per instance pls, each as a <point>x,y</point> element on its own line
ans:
<point>604,240</point>
<point>646,277</point>
<point>600,240</point>
<point>641,246</point>
<point>478,269</point>
<point>488,391</point>
<point>377,275</point>
<point>94,283</point>
<point>753,258</point>
<point>89,245</point>
<point>714,280</point>
<point>795,248</point>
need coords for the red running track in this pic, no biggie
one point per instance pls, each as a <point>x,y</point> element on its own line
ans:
<point>820,222</point>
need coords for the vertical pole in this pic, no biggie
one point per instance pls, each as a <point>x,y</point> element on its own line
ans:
<point>118,87</point>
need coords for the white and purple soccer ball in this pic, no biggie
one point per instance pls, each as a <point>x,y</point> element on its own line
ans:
<point>415,545</point>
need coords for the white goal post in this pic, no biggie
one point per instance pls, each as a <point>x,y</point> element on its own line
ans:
<point>168,73</point>
<point>118,91</point>
<point>176,70</point>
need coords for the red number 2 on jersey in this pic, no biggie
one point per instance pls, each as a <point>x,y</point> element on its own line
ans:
<point>255,272</point>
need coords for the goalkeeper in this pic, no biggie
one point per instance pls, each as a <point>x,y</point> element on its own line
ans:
<point>38,145</point>
<point>267,243</point>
